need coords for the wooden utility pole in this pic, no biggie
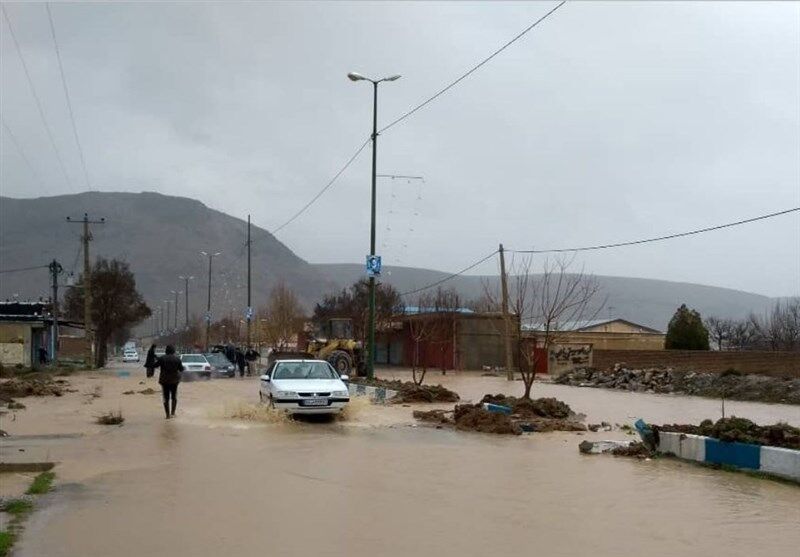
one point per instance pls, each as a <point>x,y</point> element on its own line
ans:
<point>55,270</point>
<point>506,317</point>
<point>87,285</point>
<point>186,279</point>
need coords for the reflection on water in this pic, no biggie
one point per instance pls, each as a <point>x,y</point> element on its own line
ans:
<point>340,488</point>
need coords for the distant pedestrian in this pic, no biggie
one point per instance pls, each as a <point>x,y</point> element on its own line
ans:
<point>240,361</point>
<point>169,377</point>
<point>251,356</point>
<point>42,355</point>
<point>151,361</point>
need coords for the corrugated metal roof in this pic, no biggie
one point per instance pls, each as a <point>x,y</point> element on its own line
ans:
<point>416,310</point>
<point>584,324</point>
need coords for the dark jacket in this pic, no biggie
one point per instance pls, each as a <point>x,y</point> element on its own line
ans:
<point>171,368</point>
<point>151,360</point>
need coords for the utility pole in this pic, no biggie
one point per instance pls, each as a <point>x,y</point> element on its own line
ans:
<point>249,311</point>
<point>55,270</point>
<point>186,280</point>
<point>87,285</point>
<point>506,316</point>
<point>175,318</point>
<point>208,304</point>
<point>167,302</point>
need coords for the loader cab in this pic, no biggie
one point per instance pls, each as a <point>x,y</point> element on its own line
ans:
<point>336,328</point>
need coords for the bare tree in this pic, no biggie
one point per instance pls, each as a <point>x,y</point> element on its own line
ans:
<point>720,331</point>
<point>283,317</point>
<point>546,303</point>
<point>743,335</point>
<point>421,327</point>
<point>779,329</point>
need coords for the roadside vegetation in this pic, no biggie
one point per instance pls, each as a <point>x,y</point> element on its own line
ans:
<point>41,483</point>
<point>110,418</point>
<point>20,508</point>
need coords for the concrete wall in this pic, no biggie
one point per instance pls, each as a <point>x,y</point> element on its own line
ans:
<point>15,344</point>
<point>784,463</point>
<point>778,364</point>
<point>479,342</point>
<point>564,357</point>
<point>614,340</point>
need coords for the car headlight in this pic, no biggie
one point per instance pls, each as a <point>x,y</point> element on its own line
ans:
<point>340,393</point>
<point>285,394</point>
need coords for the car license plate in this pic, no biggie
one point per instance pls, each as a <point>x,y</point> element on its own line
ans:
<point>315,402</point>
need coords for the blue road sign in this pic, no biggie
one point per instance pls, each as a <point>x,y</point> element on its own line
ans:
<point>373,265</point>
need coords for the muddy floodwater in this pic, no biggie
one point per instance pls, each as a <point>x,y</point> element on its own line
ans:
<point>206,484</point>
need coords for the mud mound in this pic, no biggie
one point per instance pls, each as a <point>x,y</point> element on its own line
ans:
<point>469,417</point>
<point>434,416</point>
<point>541,407</point>
<point>638,450</point>
<point>408,392</point>
<point>735,429</point>
<point>31,386</point>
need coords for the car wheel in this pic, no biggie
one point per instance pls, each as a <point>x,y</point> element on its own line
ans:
<point>341,362</point>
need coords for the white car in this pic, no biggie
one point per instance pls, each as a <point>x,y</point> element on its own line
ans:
<point>304,387</point>
<point>130,356</point>
<point>195,366</point>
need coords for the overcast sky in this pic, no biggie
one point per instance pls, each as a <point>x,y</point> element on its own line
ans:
<point>608,122</point>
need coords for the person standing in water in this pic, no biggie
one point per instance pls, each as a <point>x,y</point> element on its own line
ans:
<point>169,377</point>
<point>150,362</point>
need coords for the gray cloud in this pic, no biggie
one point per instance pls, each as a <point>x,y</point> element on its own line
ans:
<point>608,122</point>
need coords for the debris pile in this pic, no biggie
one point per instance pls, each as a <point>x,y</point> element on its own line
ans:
<point>507,415</point>
<point>730,384</point>
<point>408,391</point>
<point>742,430</point>
<point>19,387</point>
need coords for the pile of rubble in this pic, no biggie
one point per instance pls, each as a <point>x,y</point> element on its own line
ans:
<point>33,385</point>
<point>507,415</point>
<point>730,384</point>
<point>408,391</point>
<point>741,430</point>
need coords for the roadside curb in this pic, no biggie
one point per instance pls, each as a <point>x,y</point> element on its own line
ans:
<point>775,461</point>
<point>375,394</point>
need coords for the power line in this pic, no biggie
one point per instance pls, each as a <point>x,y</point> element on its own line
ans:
<point>660,238</point>
<point>21,152</point>
<point>419,106</point>
<point>472,70</point>
<point>449,277</point>
<point>23,269</point>
<point>36,96</point>
<point>323,190</point>
<point>66,95</point>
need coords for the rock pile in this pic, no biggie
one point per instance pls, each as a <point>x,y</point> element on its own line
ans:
<point>730,384</point>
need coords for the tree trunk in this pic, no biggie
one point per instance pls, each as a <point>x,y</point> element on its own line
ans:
<point>101,350</point>
<point>527,378</point>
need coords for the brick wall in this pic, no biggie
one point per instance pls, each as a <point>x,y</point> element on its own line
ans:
<point>778,364</point>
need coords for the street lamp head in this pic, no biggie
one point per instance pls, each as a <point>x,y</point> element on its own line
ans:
<point>353,76</point>
<point>392,78</point>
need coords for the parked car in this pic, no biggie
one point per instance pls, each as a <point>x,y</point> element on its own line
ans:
<point>130,356</point>
<point>220,365</point>
<point>304,387</point>
<point>195,366</point>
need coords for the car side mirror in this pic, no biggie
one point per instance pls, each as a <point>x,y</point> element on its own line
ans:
<point>344,377</point>
<point>265,377</point>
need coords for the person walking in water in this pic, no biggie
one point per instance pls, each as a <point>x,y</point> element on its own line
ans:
<point>151,361</point>
<point>169,377</point>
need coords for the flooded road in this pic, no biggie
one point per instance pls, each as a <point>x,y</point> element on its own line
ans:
<point>204,485</point>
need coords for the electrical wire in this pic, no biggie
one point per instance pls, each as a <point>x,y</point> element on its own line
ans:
<point>418,107</point>
<point>449,277</point>
<point>660,238</point>
<point>66,96</point>
<point>24,269</point>
<point>472,70</point>
<point>323,190</point>
<point>36,96</point>
<point>22,153</point>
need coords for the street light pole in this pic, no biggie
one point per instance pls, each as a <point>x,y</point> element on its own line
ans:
<point>371,333</point>
<point>175,318</point>
<point>186,280</point>
<point>208,304</point>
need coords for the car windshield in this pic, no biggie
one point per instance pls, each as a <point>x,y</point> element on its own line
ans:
<point>303,370</point>
<point>193,359</point>
<point>217,359</point>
